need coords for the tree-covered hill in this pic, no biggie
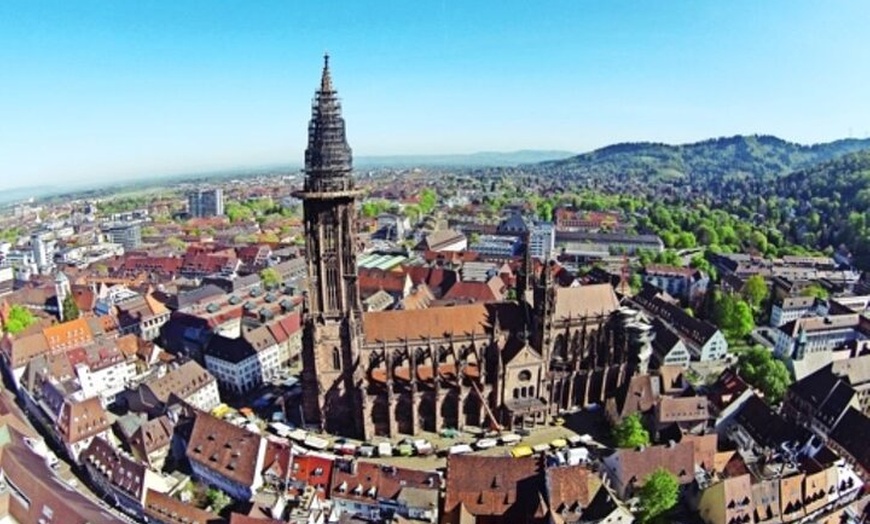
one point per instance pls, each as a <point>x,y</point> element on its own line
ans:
<point>715,159</point>
<point>827,204</point>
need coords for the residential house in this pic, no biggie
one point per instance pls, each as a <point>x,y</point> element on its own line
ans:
<point>636,396</point>
<point>576,495</point>
<point>188,382</point>
<point>161,508</point>
<point>493,490</point>
<point>492,290</point>
<point>728,501</point>
<point>668,347</point>
<point>19,351</point>
<point>727,396</point>
<point>226,456</point>
<point>788,309</point>
<point>398,284</point>
<point>79,422</point>
<point>703,340</point>
<point>756,428</point>
<point>150,443</point>
<point>287,332</point>
<point>200,261</point>
<point>378,491</point>
<point>820,400</point>
<point>241,364</point>
<point>34,492</point>
<point>805,337</point>
<point>443,240</point>
<point>102,370</point>
<point>689,414</point>
<point>142,316</point>
<point>686,283</point>
<point>121,478</point>
<point>628,469</point>
<point>849,438</point>
<point>311,471</point>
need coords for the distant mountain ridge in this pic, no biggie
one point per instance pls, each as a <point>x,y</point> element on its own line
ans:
<point>483,158</point>
<point>736,156</point>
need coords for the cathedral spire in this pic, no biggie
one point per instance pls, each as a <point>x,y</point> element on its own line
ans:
<point>326,79</point>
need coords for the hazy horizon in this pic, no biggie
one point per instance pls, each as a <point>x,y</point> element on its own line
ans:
<point>96,91</point>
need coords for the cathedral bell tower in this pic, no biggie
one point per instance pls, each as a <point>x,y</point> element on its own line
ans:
<point>332,378</point>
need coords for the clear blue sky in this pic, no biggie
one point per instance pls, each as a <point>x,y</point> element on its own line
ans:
<point>113,89</point>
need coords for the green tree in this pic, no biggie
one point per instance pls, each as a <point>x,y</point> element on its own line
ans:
<point>755,291</point>
<point>707,234</point>
<point>758,367</point>
<point>700,262</point>
<point>685,240</point>
<point>270,277</point>
<point>758,241</point>
<point>815,290</point>
<point>428,199</point>
<point>70,309</point>
<point>659,493</point>
<point>217,499</point>
<point>19,319</point>
<point>635,283</point>
<point>413,212</point>
<point>732,315</point>
<point>237,212</point>
<point>545,210</point>
<point>176,243</point>
<point>373,208</point>
<point>630,433</point>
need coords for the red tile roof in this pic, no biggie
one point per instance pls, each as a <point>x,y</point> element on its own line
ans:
<point>229,450</point>
<point>503,487</point>
<point>170,510</point>
<point>80,420</point>
<point>314,471</point>
<point>357,480</point>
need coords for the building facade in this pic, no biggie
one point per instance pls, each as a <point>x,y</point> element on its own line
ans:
<point>542,240</point>
<point>127,234</point>
<point>206,203</point>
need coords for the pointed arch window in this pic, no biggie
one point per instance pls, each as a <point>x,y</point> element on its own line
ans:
<point>336,359</point>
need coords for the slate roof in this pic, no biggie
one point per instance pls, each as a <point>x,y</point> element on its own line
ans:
<point>768,428</point>
<point>851,434</point>
<point>696,330</point>
<point>235,350</point>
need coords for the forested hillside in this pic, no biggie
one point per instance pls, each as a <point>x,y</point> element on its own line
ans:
<point>716,159</point>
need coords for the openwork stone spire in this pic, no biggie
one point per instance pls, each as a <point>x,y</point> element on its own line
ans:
<point>328,159</point>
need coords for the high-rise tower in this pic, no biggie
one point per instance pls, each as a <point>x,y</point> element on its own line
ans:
<point>331,376</point>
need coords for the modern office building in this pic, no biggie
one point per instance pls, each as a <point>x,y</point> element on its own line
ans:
<point>206,203</point>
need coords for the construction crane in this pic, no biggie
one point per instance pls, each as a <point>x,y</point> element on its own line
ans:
<point>494,422</point>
